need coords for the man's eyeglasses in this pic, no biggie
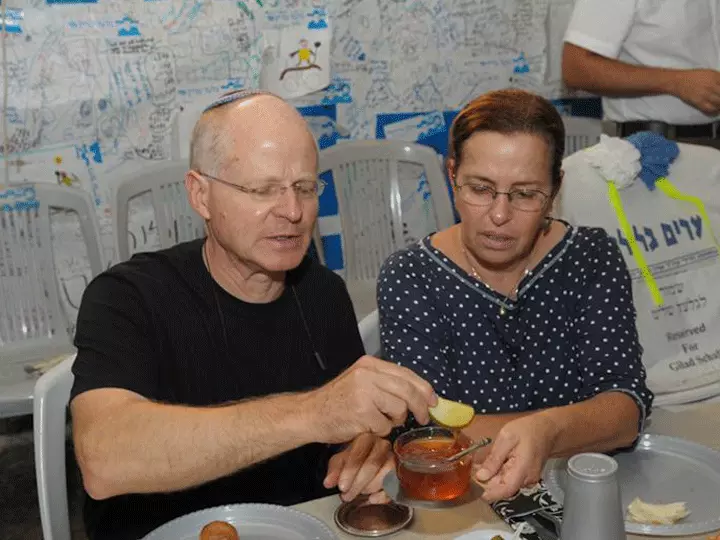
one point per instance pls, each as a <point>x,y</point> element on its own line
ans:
<point>269,193</point>
<point>526,200</point>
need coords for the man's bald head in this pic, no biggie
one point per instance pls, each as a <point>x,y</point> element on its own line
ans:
<point>237,116</point>
<point>255,143</point>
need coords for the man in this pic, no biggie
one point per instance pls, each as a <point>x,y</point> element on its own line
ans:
<point>654,62</point>
<point>223,370</point>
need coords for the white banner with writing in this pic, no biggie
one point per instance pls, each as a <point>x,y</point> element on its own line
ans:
<point>681,337</point>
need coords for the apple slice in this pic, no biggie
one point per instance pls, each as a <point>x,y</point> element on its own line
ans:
<point>451,414</point>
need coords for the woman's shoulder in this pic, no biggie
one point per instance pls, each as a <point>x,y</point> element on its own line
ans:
<point>418,263</point>
<point>416,255</point>
<point>595,241</point>
<point>594,250</point>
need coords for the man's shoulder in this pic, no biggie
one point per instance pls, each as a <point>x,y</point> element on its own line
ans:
<point>315,277</point>
<point>600,26</point>
<point>150,273</point>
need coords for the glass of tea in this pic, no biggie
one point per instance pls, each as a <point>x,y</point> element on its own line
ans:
<point>422,469</point>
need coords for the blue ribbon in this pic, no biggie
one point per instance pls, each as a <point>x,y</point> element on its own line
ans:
<point>656,155</point>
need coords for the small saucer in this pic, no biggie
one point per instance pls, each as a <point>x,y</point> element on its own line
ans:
<point>361,518</point>
<point>391,485</point>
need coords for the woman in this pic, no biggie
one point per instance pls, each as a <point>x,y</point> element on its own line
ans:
<point>522,316</point>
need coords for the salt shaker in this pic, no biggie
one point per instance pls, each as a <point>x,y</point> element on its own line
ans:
<point>593,507</point>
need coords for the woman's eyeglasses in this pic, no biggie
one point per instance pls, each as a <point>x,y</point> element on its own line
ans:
<point>526,200</point>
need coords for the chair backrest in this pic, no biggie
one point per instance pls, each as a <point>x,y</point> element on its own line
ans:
<point>32,319</point>
<point>679,332</point>
<point>175,219</point>
<point>52,392</point>
<point>370,333</point>
<point>581,133</point>
<point>317,242</point>
<point>374,217</point>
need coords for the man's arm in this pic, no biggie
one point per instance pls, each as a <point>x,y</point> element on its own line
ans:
<point>128,444</point>
<point>586,70</point>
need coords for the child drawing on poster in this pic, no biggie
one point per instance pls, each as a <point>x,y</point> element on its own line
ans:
<point>305,57</point>
<point>296,61</point>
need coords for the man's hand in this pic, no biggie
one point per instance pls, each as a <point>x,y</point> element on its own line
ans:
<point>372,396</point>
<point>517,456</point>
<point>361,469</point>
<point>700,88</point>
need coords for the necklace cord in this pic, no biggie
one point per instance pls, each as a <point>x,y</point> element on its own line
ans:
<point>475,274</point>
<point>316,354</point>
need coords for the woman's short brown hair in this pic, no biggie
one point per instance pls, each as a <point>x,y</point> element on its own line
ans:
<point>511,111</point>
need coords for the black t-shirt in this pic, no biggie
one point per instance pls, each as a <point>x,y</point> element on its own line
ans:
<point>158,325</point>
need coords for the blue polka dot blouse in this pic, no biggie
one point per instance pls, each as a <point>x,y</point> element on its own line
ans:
<point>568,336</point>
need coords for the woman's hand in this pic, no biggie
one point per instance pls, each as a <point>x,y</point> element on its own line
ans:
<point>517,456</point>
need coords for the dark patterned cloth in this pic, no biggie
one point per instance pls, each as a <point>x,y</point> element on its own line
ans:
<point>526,502</point>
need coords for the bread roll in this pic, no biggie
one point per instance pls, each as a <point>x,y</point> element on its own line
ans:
<point>219,530</point>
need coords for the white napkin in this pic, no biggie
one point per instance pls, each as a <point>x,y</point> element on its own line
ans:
<point>615,159</point>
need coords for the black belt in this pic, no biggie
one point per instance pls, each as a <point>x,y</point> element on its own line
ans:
<point>672,131</point>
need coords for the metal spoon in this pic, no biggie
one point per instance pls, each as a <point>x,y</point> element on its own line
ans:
<point>469,450</point>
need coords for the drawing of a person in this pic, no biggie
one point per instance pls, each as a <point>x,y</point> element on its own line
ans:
<point>304,54</point>
<point>306,58</point>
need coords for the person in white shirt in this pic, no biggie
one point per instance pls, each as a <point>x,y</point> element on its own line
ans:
<point>654,62</point>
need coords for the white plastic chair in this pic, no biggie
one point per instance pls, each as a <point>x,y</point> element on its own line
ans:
<point>367,185</point>
<point>374,222</point>
<point>33,323</point>
<point>175,219</point>
<point>581,133</point>
<point>52,393</point>
<point>680,252</point>
<point>370,333</point>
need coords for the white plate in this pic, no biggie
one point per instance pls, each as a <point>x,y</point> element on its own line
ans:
<point>252,521</point>
<point>485,535</point>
